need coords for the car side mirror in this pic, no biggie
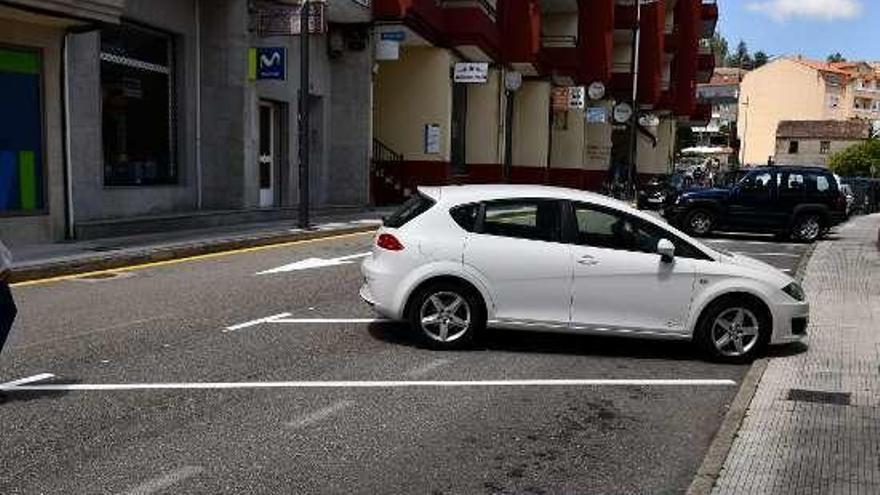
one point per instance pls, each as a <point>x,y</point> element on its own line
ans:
<point>666,250</point>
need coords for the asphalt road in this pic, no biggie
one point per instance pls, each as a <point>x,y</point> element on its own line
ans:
<point>170,324</point>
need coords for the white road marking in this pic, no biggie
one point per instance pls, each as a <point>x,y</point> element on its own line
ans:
<point>111,387</point>
<point>253,323</point>
<point>311,263</point>
<point>31,379</point>
<point>320,321</point>
<point>162,482</point>
<point>427,368</point>
<point>772,255</point>
<point>321,414</point>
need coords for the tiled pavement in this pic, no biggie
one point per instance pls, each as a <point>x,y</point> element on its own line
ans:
<point>811,443</point>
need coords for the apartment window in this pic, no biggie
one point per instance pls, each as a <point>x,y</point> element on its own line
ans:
<point>833,101</point>
<point>793,147</point>
<point>137,85</point>
<point>825,147</point>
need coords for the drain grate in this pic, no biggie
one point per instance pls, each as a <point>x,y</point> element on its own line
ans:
<point>815,396</point>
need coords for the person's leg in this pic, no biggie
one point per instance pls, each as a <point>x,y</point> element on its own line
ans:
<point>7,313</point>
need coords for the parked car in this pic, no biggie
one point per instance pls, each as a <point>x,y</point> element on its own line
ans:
<point>801,202</point>
<point>654,193</point>
<point>456,259</point>
<point>847,191</point>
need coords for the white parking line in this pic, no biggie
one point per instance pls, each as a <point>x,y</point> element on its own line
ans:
<point>253,323</point>
<point>771,255</point>
<point>24,381</point>
<point>162,482</point>
<point>321,321</point>
<point>427,368</point>
<point>320,414</point>
<point>117,387</point>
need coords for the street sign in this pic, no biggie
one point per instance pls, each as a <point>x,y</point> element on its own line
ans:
<point>268,63</point>
<point>596,91</point>
<point>576,97</point>
<point>471,72</point>
<point>597,115</point>
<point>513,80</point>
<point>622,113</point>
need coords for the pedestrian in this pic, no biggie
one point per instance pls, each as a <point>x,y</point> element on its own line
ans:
<point>7,304</point>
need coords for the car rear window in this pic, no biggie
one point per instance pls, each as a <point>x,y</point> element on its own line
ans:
<point>412,208</point>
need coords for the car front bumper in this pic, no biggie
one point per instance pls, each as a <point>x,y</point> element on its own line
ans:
<point>790,322</point>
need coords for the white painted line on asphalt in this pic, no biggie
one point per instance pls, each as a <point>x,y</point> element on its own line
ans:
<point>253,323</point>
<point>31,379</point>
<point>320,414</point>
<point>771,255</point>
<point>322,321</point>
<point>427,368</point>
<point>162,482</point>
<point>116,387</point>
<point>312,263</point>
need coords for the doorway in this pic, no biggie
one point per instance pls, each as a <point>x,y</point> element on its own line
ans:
<point>459,128</point>
<point>268,155</point>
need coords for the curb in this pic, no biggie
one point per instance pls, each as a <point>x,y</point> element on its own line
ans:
<point>138,256</point>
<point>713,462</point>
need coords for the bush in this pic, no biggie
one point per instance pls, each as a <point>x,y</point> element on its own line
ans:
<point>859,160</point>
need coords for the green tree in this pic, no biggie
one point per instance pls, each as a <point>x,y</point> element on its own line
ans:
<point>740,57</point>
<point>836,58</point>
<point>761,58</point>
<point>859,160</point>
<point>721,49</point>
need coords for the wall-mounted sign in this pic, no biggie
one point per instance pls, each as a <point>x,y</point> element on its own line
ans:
<point>471,72</point>
<point>597,115</point>
<point>513,81</point>
<point>432,139</point>
<point>267,63</point>
<point>649,120</point>
<point>393,36</point>
<point>387,50</point>
<point>596,91</point>
<point>622,113</point>
<point>576,97</point>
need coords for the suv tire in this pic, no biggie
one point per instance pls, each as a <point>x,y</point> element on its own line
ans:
<point>807,228</point>
<point>699,222</point>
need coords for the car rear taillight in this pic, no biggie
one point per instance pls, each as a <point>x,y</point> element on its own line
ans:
<point>840,203</point>
<point>389,242</point>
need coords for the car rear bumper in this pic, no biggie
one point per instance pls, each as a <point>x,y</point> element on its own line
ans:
<point>790,323</point>
<point>377,291</point>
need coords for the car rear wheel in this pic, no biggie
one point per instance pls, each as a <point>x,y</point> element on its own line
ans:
<point>734,330</point>
<point>807,228</point>
<point>700,222</point>
<point>447,315</point>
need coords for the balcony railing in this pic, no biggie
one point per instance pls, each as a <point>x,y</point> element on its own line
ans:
<point>559,41</point>
<point>488,6</point>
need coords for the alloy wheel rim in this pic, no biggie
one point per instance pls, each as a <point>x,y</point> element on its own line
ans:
<point>700,223</point>
<point>735,332</point>
<point>445,316</point>
<point>810,229</point>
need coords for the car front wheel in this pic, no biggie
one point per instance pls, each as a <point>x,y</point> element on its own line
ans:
<point>447,315</point>
<point>734,330</point>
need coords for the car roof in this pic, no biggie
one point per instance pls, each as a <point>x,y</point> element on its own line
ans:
<point>487,192</point>
<point>805,168</point>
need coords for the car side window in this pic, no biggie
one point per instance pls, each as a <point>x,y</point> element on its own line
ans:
<point>604,228</point>
<point>466,216</point>
<point>822,183</point>
<point>758,182</point>
<point>537,220</point>
<point>790,182</point>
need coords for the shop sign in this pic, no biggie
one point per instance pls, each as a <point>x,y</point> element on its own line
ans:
<point>268,63</point>
<point>471,72</point>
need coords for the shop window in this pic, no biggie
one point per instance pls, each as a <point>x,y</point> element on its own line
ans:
<point>137,84</point>
<point>21,132</point>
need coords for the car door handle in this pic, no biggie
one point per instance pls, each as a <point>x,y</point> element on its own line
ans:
<point>588,260</point>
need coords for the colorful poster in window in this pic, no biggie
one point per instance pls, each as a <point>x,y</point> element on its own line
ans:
<point>21,132</point>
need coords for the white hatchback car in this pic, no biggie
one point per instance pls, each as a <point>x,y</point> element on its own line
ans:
<point>455,259</point>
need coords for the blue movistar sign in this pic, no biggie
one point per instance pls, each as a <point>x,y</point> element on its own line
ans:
<point>271,63</point>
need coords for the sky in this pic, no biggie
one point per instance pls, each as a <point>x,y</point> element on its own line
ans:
<point>813,28</point>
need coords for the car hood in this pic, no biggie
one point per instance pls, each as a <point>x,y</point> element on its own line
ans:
<point>715,193</point>
<point>763,270</point>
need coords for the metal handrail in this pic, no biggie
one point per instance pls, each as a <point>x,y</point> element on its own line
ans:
<point>382,153</point>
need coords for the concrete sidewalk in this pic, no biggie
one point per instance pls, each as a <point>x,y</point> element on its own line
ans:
<point>813,425</point>
<point>58,259</point>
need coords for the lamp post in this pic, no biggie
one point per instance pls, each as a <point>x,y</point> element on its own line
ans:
<point>304,116</point>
